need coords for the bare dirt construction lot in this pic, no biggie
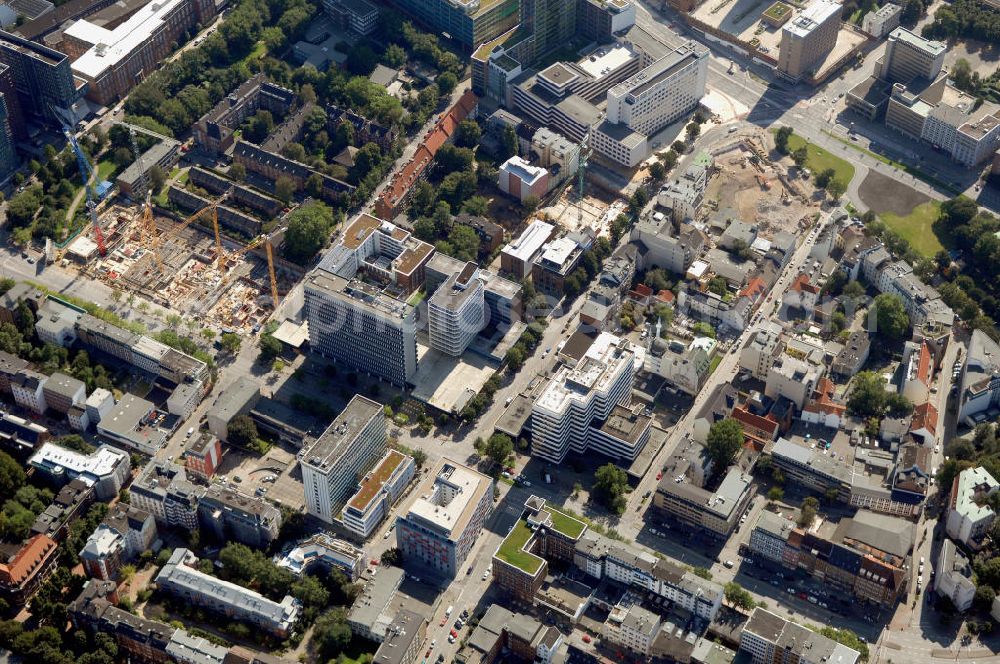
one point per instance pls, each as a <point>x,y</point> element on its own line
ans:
<point>747,189</point>
<point>882,194</point>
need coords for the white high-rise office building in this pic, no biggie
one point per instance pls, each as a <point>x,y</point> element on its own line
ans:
<point>333,464</point>
<point>456,312</point>
<point>576,397</point>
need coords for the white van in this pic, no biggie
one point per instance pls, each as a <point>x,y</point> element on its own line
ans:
<point>447,612</point>
<point>189,432</point>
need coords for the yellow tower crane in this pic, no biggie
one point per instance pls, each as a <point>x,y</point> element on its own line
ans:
<point>158,241</point>
<point>253,244</point>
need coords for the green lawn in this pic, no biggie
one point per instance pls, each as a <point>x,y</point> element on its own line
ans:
<point>917,227</point>
<point>105,169</point>
<point>564,523</point>
<point>510,550</point>
<point>256,54</point>
<point>820,159</point>
<point>716,361</point>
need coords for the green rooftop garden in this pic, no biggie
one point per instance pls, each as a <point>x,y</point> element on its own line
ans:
<point>511,549</point>
<point>565,524</point>
<point>777,11</point>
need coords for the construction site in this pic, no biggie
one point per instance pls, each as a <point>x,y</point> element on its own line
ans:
<point>188,266</point>
<point>747,185</point>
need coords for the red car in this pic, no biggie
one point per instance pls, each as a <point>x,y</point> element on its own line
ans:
<point>427,654</point>
<point>443,621</point>
<point>454,633</point>
<point>659,475</point>
<point>586,638</point>
<point>374,562</point>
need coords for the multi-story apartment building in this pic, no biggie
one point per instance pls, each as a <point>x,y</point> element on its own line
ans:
<point>377,493</point>
<point>808,38</point>
<point>371,613</point>
<point>683,365</point>
<point>365,130</point>
<point>556,153</point>
<point>543,533</point>
<point>557,260</point>
<point>792,378</point>
<point>324,552</point>
<point>404,639</point>
<point>102,554</point>
<point>9,366</point>
<point>28,389</point>
<point>633,628</point>
<point>762,352</point>
<point>20,436</point>
<point>71,503</point>
<point>214,131</point>
<point>233,516</point>
<point>953,576</point>
<point>439,531</point>
<point>600,557</point>
<point>62,392</point>
<point>332,465</point>
<point>46,89</point>
<point>665,247</point>
<point>162,489</point>
<point>113,61</point>
<point>188,584</point>
<point>105,469</point>
<point>657,96</point>
<point>503,635</point>
<point>456,311</point>
<point>867,555</point>
<point>769,639</point>
<point>682,494</point>
<point>980,380</point>
<point>22,573</point>
<point>273,165</point>
<point>137,528</point>
<point>203,455</point>
<point>578,399</point>
<point>969,514</point>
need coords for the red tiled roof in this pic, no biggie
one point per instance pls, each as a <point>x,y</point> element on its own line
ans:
<point>665,296</point>
<point>801,283</point>
<point>643,290</point>
<point>924,364</point>
<point>755,421</point>
<point>753,289</point>
<point>28,560</point>
<point>924,417</point>
<point>424,155</point>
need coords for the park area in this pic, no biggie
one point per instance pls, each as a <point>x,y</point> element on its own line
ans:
<point>819,159</point>
<point>909,213</point>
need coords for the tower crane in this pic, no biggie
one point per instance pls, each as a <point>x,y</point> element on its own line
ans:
<point>146,222</point>
<point>173,232</point>
<point>253,244</point>
<point>87,174</point>
<point>581,173</point>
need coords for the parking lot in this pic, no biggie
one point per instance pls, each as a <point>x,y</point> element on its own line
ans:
<point>276,475</point>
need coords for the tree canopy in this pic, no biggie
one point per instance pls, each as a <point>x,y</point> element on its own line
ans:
<point>309,228</point>
<point>610,487</point>
<point>725,440</point>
